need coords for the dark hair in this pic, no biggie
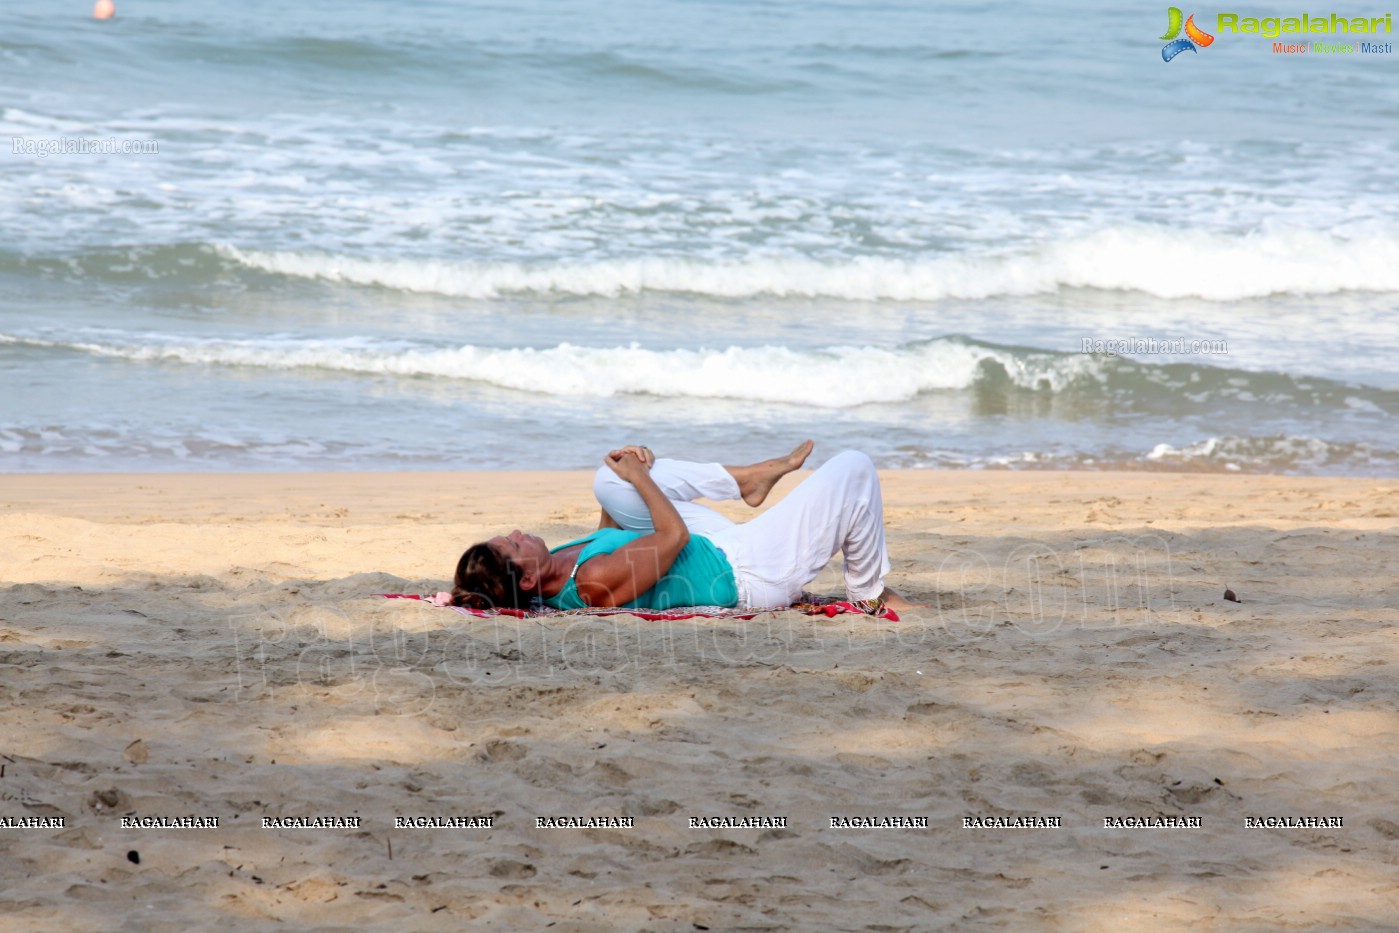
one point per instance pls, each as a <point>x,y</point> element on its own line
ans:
<point>487,580</point>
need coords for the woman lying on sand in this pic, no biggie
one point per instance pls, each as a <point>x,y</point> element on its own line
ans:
<point>657,549</point>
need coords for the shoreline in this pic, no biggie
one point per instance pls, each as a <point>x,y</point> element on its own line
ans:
<point>50,488</point>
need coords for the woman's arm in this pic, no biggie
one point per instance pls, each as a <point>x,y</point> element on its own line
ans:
<point>629,571</point>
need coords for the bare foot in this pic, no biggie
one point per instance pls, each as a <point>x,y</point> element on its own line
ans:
<point>756,480</point>
<point>896,602</point>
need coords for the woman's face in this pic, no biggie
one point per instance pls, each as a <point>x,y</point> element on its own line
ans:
<point>527,552</point>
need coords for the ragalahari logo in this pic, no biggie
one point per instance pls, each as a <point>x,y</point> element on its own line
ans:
<point>1194,36</point>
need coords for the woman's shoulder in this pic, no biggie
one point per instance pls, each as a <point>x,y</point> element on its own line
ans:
<point>602,541</point>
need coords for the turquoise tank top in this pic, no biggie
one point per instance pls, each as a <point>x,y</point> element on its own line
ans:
<point>700,576</point>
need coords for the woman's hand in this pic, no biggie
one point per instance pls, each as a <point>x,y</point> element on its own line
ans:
<point>630,462</point>
<point>643,454</point>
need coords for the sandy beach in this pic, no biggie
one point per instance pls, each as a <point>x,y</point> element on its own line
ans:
<point>1079,733</point>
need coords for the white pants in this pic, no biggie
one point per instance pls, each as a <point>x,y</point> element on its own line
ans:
<point>839,508</point>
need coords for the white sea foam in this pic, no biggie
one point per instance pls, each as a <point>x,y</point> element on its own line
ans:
<point>1164,263</point>
<point>833,377</point>
<point>1277,452</point>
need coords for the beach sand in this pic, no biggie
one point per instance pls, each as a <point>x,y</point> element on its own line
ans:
<point>211,646</point>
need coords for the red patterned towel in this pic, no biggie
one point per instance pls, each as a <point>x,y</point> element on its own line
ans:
<point>810,605</point>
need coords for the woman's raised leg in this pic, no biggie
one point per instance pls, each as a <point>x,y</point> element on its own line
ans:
<point>683,481</point>
<point>839,508</point>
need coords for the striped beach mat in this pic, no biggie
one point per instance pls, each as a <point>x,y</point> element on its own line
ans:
<point>809,604</point>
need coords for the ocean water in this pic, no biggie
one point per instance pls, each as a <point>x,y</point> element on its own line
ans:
<point>317,235</point>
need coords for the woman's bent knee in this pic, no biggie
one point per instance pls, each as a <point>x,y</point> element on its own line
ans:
<point>855,461</point>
